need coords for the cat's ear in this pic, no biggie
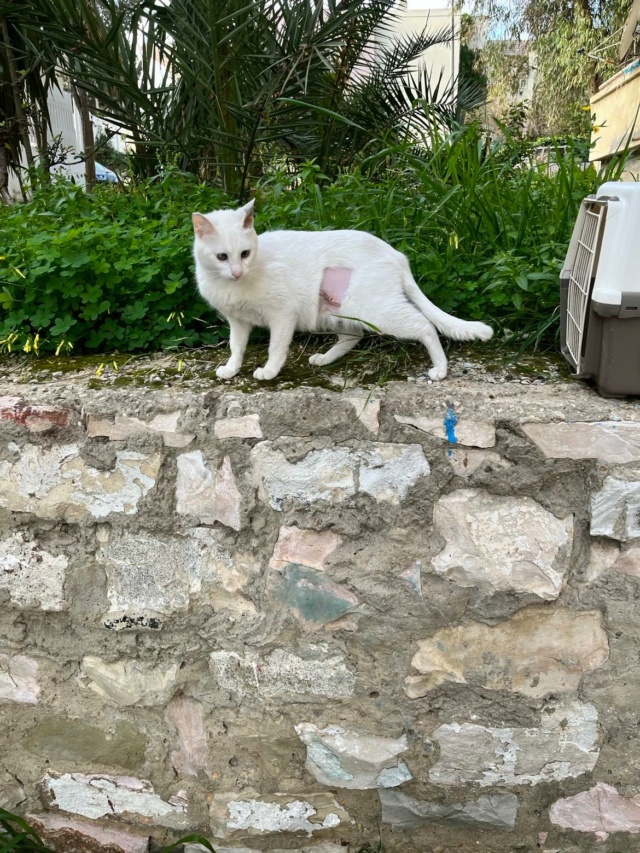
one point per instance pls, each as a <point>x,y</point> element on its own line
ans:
<point>202,226</point>
<point>247,211</point>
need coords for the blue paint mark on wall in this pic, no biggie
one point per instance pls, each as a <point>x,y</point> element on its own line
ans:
<point>450,421</point>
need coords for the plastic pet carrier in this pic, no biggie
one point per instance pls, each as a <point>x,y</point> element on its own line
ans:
<point>600,291</point>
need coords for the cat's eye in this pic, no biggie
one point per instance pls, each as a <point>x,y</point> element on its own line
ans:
<point>222,256</point>
<point>245,254</point>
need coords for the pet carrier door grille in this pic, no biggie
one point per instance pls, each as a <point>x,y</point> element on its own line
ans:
<point>588,231</point>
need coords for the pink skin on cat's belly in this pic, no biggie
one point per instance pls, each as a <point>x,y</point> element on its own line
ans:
<point>335,281</point>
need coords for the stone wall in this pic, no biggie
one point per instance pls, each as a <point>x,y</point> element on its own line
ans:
<point>307,620</point>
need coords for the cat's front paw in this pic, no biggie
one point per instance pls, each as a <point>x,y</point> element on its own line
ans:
<point>225,372</point>
<point>264,373</point>
<point>437,373</point>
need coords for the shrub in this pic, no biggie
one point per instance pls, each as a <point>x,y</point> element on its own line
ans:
<point>485,235</point>
<point>105,271</point>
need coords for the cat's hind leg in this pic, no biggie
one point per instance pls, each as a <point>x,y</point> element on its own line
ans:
<point>343,345</point>
<point>414,326</point>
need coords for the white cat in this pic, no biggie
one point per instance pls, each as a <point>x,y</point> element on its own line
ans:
<point>345,282</point>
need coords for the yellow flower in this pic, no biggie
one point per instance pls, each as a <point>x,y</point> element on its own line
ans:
<point>587,108</point>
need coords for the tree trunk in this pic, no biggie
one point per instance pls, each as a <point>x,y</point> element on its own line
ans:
<point>23,121</point>
<point>82,102</point>
<point>4,175</point>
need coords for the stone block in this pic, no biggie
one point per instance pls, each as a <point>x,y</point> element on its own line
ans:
<point>614,442</point>
<point>18,679</point>
<point>615,509</point>
<point>466,432</point>
<point>388,471</point>
<point>600,810</point>
<point>34,418</point>
<point>275,814</point>
<point>311,847</point>
<point>564,746</point>
<point>58,484</point>
<point>129,681</point>
<point>347,759</point>
<point>192,754</point>
<point>209,496</point>
<point>413,576</point>
<point>367,411</point>
<point>99,795</point>
<point>247,426</point>
<point>502,544</point>
<point>33,578</point>
<point>322,475</point>
<point>536,652</point>
<point>490,811</point>
<point>310,596</point>
<point>151,576</point>
<point>124,426</point>
<point>62,739</point>
<point>384,471</point>
<point>304,547</point>
<point>284,676</point>
<point>83,836</point>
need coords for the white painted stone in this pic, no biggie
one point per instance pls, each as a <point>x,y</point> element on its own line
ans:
<point>367,411</point>
<point>466,462</point>
<point>502,544</point>
<point>57,483</point>
<point>564,746</point>
<point>615,509</point>
<point>129,682</point>
<point>388,471</point>
<point>71,833</point>
<point>303,547</point>
<point>33,577</point>
<point>187,716</point>
<point>18,679</point>
<point>95,796</point>
<point>615,442</point>
<point>124,426</point>
<point>209,496</point>
<point>322,475</point>
<point>497,811</point>
<point>467,433</point>
<point>535,652</point>
<point>283,675</point>
<point>346,759</point>
<point>275,813</point>
<point>600,810</point>
<point>247,426</point>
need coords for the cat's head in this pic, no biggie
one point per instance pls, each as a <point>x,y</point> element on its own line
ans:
<point>226,243</point>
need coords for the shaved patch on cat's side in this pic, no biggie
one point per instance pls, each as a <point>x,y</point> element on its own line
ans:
<point>335,281</point>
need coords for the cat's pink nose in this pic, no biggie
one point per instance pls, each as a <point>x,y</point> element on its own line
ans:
<point>236,273</point>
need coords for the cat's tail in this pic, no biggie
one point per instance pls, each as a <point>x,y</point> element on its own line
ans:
<point>451,327</point>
